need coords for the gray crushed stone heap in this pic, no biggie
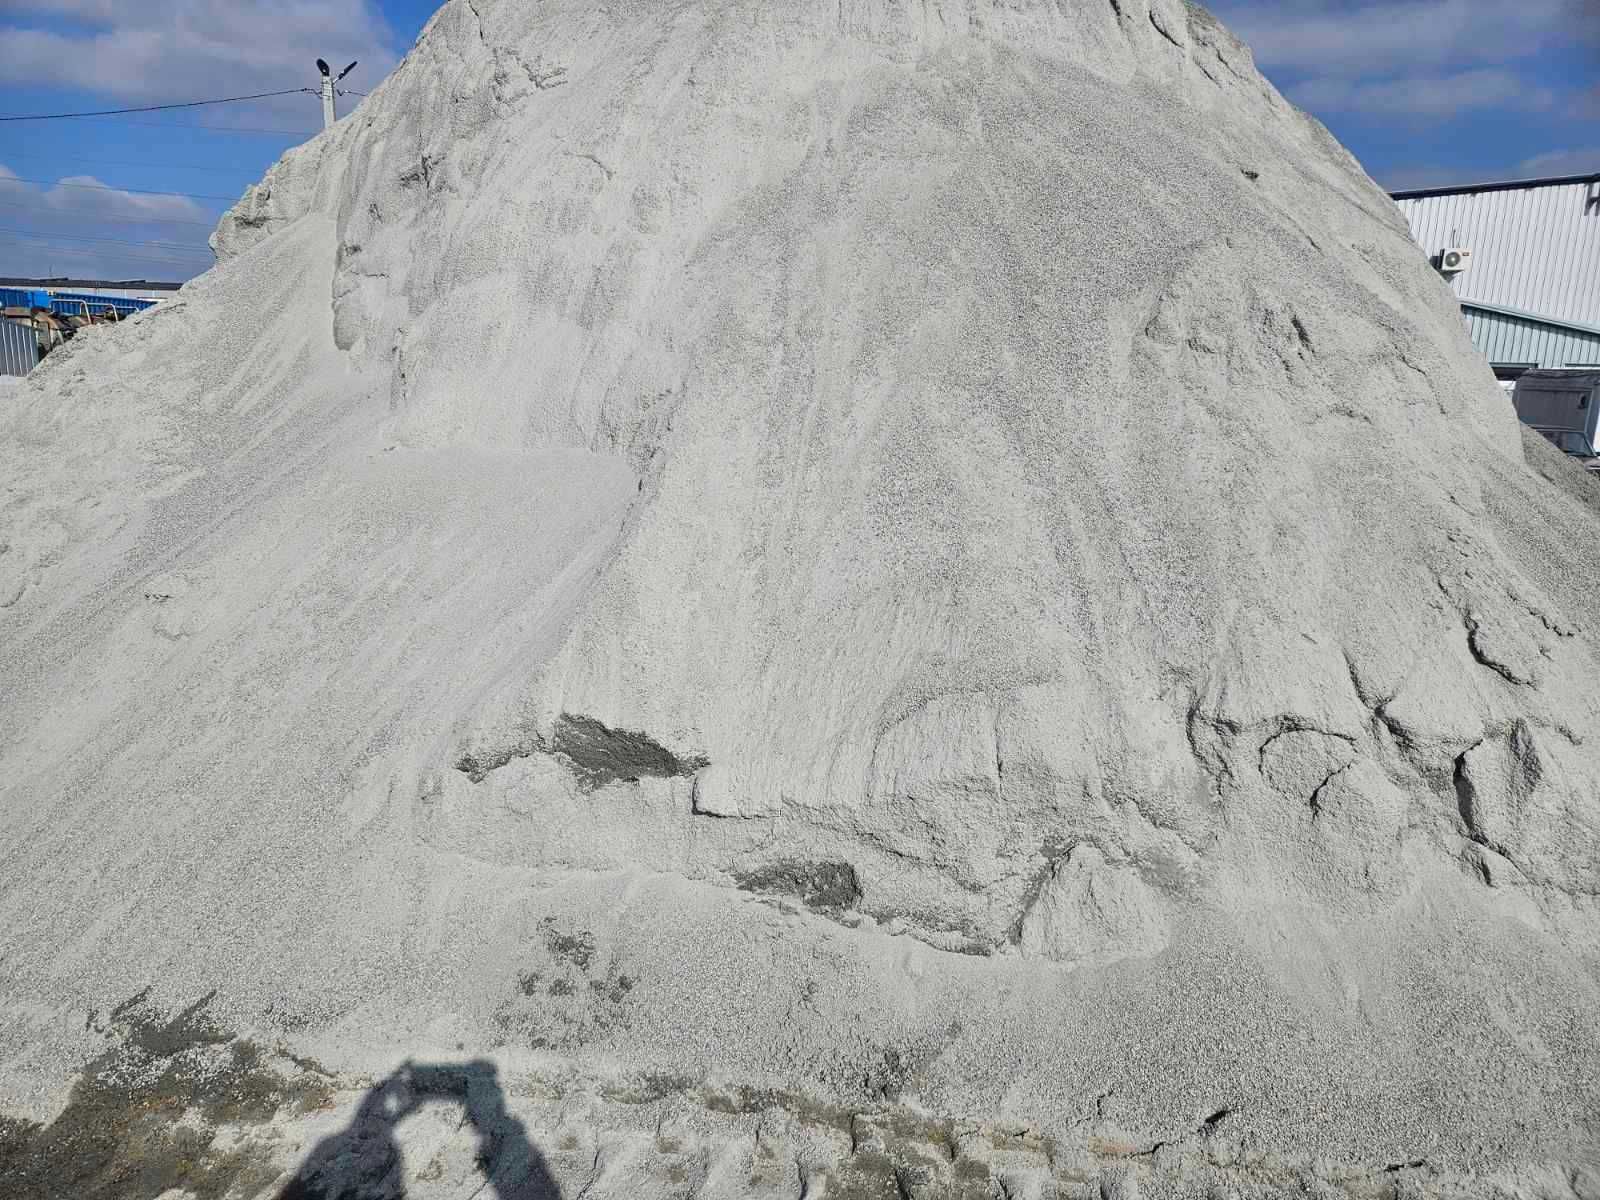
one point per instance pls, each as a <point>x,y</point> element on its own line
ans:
<point>837,598</point>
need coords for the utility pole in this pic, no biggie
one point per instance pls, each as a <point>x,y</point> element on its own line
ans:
<point>329,116</point>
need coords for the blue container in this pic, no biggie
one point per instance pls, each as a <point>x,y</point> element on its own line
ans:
<point>24,298</point>
<point>69,303</point>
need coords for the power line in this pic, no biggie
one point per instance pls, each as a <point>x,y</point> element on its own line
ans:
<point>98,219</point>
<point>165,248</point>
<point>168,258</point>
<point>126,162</point>
<point>106,187</point>
<point>71,237</point>
<point>219,128</point>
<point>170,249</point>
<point>117,112</point>
<point>156,258</point>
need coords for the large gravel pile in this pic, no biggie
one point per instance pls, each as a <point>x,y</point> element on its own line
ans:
<point>851,595</point>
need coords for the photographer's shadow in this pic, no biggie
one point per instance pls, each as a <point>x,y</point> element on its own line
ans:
<point>363,1160</point>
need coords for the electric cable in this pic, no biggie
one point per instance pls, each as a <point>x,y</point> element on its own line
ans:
<point>124,162</point>
<point>188,267</point>
<point>43,211</point>
<point>83,237</point>
<point>117,112</point>
<point>106,187</point>
<point>302,133</point>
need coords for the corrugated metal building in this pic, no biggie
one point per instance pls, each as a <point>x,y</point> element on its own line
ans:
<point>1531,296</point>
<point>19,348</point>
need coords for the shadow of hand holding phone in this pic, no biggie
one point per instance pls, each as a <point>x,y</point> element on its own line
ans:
<point>363,1161</point>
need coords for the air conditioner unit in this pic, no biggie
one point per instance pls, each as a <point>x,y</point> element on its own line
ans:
<point>1454,260</point>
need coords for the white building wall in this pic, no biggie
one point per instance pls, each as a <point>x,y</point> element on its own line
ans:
<point>1534,249</point>
<point>125,293</point>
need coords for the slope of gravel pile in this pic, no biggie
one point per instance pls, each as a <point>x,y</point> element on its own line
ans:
<point>943,558</point>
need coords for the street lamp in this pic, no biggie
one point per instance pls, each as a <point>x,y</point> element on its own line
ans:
<point>328,80</point>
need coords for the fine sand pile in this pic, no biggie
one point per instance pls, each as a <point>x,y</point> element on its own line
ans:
<point>846,597</point>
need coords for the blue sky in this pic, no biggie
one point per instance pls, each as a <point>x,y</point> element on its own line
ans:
<point>1423,91</point>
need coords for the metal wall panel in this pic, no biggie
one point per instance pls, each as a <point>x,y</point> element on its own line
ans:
<point>73,302</point>
<point>1509,340</point>
<point>1533,248</point>
<point>24,297</point>
<point>19,348</point>
<point>124,303</point>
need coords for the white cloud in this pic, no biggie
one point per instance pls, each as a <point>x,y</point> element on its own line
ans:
<point>1410,178</point>
<point>1424,97</point>
<point>1562,162</point>
<point>1415,62</point>
<point>79,10</point>
<point>1327,37</point>
<point>79,226</point>
<point>88,198</point>
<point>1555,162</point>
<point>163,52</point>
<point>180,50</point>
